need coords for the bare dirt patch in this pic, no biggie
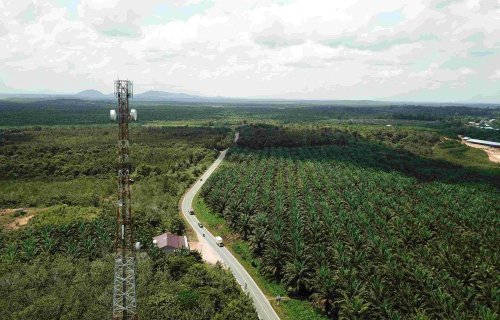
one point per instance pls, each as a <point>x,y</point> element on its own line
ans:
<point>19,222</point>
<point>208,254</point>
<point>13,219</point>
<point>4,212</point>
<point>493,153</point>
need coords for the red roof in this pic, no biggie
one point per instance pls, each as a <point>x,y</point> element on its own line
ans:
<point>170,240</point>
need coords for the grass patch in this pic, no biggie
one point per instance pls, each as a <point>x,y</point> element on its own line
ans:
<point>64,215</point>
<point>291,309</point>
<point>458,153</point>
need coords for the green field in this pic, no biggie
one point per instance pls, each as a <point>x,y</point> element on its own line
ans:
<point>361,227</point>
<point>287,309</point>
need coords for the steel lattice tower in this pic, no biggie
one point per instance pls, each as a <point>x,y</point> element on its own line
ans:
<point>124,298</point>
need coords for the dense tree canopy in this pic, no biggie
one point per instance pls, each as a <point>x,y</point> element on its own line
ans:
<point>353,215</point>
<point>60,265</point>
<point>365,230</point>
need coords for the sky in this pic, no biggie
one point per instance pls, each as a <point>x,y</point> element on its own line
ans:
<point>397,50</point>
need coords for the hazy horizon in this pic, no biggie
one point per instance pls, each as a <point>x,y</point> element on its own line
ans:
<point>420,51</point>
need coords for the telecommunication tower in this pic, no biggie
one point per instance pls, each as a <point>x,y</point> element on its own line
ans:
<point>124,298</point>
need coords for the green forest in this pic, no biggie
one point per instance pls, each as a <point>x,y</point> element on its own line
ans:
<point>57,204</point>
<point>354,211</point>
<point>452,119</point>
<point>364,223</point>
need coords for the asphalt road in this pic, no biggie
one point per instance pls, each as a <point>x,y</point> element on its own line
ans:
<point>262,305</point>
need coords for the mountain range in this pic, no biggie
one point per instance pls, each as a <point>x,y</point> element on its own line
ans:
<point>145,96</point>
<point>164,96</point>
<point>98,95</point>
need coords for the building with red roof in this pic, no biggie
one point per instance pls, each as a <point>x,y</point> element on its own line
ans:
<point>169,242</point>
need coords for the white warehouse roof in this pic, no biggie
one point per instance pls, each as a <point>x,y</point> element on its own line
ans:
<point>485,142</point>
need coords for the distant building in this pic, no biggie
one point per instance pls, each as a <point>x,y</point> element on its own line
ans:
<point>169,242</point>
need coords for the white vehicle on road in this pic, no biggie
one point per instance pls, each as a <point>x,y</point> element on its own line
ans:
<point>219,242</point>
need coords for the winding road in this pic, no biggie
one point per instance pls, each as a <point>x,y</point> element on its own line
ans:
<point>261,303</point>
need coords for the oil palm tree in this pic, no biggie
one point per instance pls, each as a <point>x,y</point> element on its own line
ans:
<point>297,276</point>
<point>324,289</point>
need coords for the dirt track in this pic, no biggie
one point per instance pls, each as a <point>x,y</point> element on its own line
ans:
<point>493,153</point>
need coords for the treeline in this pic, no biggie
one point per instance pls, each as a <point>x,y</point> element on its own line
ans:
<point>261,136</point>
<point>434,113</point>
<point>32,153</point>
<point>72,112</point>
<point>80,112</point>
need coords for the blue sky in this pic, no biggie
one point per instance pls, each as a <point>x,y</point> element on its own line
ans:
<point>432,50</point>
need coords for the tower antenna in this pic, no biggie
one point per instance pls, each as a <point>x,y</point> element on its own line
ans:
<point>124,298</point>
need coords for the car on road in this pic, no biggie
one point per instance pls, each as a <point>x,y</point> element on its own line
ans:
<point>191,212</point>
<point>200,225</point>
<point>219,242</point>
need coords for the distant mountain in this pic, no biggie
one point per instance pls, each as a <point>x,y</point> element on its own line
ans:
<point>166,96</point>
<point>91,94</point>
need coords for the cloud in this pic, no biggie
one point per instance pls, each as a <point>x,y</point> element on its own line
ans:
<point>495,75</point>
<point>114,17</point>
<point>16,9</point>
<point>276,36</point>
<point>124,18</point>
<point>320,49</point>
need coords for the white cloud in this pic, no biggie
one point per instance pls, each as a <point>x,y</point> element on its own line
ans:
<point>302,49</point>
<point>495,75</point>
<point>467,71</point>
